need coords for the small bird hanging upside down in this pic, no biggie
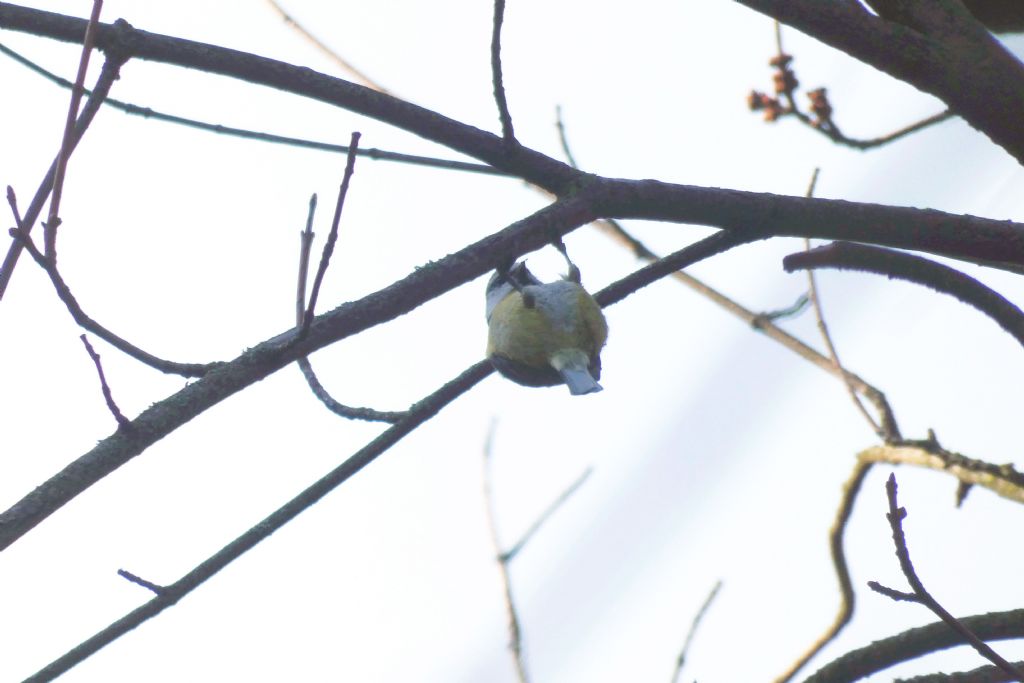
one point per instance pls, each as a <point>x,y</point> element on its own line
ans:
<point>542,335</point>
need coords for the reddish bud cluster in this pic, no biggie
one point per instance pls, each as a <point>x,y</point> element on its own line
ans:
<point>782,103</point>
<point>783,78</point>
<point>820,106</point>
<point>758,101</point>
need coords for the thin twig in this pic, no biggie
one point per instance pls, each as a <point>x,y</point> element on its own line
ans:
<point>122,421</point>
<point>336,407</point>
<point>764,325</point>
<point>84,321</point>
<point>340,409</point>
<point>920,594</point>
<point>788,313</point>
<point>149,585</point>
<point>847,599</point>
<point>717,243</point>
<point>510,554</point>
<point>903,266</point>
<point>305,246</point>
<point>819,316</point>
<point>108,75</point>
<point>697,618</point>
<point>320,45</point>
<point>370,153</point>
<point>507,132</point>
<point>332,237</point>
<point>67,143</point>
<point>564,138</point>
<point>897,134</point>
<point>515,633</point>
<point>822,121</point>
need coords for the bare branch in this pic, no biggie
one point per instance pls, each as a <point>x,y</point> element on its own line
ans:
<point>370,153</point>
<point>515,633</point>
<point>996,243</point>
<point>894,264</point>
<point>507,132</point>
<point>340,409</point>
<point>819,316</point>
<point>334,56</point>
<point>945,66</point>
<point>1003,480</point>
<point>84,321</point>
<point>122,421</point>
<point>697,618</point>
<point>510,554</point>
<point>332,237</point>
<point>709,246</point>
<point>983,674</point>
<point>106,79</point>
<point>896,516</point>
<point>305,246</point>
<point>915,643</point>
<point>67,143</point>
<point>148,585</point>
<point>820,119</point>
<point>848,598</point>
<point>336,407</point>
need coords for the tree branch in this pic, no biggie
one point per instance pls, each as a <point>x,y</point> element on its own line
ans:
<point>900,266</point>
<point>970,72</point>
<point>108,75</point>
<point>995,243</point>
<point>847,597</point>
<point>916,642</point>
<point>920,594</point>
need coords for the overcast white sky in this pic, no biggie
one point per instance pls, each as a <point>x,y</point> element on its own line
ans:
<point>716,453</point>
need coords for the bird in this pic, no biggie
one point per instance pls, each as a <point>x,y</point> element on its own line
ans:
<point>545,334</point>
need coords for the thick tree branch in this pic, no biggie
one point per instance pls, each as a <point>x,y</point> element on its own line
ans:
<point>915,643</point>
<point>901,266</point>
<point>999,244</point>
<point>121,38</point>
<point>996,243</point>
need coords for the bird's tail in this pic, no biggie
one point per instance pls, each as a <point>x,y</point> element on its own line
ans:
<point>572,365</point>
